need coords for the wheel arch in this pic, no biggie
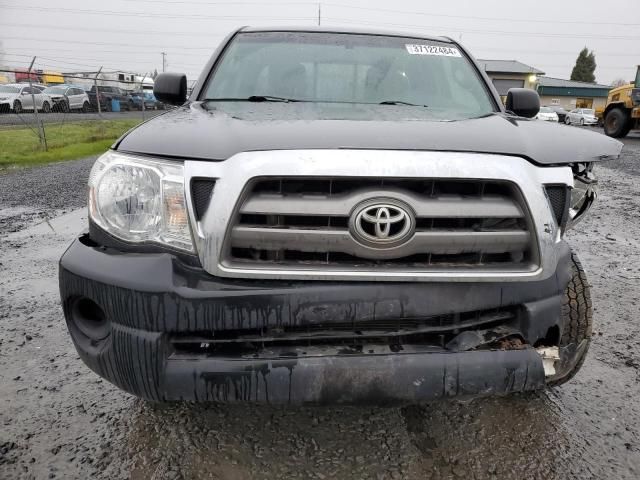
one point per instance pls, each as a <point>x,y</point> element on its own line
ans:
<point>611,106</point>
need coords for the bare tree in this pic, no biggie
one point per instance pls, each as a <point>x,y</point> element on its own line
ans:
<point>618,82</point>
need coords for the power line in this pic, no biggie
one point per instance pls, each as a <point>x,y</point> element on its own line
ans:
<point>119,52</point>
<point>188,2</point>
<point>110,30</point>
<point>468,17</point>
<point>156,46</point>
<point>487,32</point>
<point>312,4</point>
<point>64,60</point>
<point>555,52</point>
<point>75,76</point>
<point>149,15</point>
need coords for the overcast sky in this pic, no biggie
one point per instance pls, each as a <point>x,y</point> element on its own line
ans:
<point>130,35</point>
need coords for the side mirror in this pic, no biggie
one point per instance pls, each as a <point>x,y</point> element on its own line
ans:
<point>171,88</point>
<point>523,102</point>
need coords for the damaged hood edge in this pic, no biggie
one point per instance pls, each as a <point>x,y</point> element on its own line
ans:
<point>192,132</point>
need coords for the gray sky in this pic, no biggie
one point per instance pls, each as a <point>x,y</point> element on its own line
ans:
<point>129,35</point>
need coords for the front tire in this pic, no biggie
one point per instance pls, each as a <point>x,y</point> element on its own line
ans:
<point>582,122</point>
<point>17,106</point>
<point>46,108</point>
<point>577,320</point>
<point>567,121</point>
<point>86,107</point>
<point>617,123</point>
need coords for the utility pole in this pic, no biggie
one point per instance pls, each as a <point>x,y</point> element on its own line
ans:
<point>319,13</point>
<point>164,62</point>
<point>95,84</point>
<point>142,94</point>
<point>43,139</point>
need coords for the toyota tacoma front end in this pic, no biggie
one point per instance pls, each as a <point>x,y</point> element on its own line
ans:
<point>335,217</point>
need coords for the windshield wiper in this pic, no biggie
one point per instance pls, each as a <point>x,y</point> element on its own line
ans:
<point>400,102</point>
<point>254,98</point>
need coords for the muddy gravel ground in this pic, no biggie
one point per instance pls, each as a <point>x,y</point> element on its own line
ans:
<point>59,420</point>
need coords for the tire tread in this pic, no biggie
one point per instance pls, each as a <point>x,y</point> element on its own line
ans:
<point>577,313</point>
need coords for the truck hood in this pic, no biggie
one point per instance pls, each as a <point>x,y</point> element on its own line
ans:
<point>218,130</point>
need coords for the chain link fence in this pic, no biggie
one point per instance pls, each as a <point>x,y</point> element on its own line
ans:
<point>45,107</point>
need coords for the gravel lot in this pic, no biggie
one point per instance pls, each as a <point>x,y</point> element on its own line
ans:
<point>59,420</point>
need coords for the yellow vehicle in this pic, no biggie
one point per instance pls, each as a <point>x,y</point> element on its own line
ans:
<point>52,78</point>
<point>622,112</point>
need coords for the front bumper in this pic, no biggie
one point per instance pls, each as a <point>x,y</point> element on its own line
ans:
<point>151,299</point>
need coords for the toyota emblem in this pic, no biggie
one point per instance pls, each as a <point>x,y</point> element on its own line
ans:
<point>382,223</point>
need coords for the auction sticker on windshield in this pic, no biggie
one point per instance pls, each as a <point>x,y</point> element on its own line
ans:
<point>433,50</point>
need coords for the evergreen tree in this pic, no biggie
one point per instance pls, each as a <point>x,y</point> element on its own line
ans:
<point>585,67</point>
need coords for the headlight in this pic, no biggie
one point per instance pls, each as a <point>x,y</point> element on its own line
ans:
<point>140,200</point>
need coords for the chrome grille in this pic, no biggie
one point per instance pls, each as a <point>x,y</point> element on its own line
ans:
<point>291,222</point>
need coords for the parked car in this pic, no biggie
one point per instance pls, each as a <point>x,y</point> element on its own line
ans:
<point>38,86</point>
<point>18,97</point>
<point>547,114</point>
<point>106,95</point>
<point>67,97</point>
<point>581,116</point>
<point>561,112</point>
<point>150,102</point>
<point>335,217</point>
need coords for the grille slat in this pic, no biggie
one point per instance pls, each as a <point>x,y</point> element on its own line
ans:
<point>322,240</point>
<point>445,206</point>
<point>300,222</point>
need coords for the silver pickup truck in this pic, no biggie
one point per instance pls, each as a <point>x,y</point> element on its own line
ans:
<point>335,216</point>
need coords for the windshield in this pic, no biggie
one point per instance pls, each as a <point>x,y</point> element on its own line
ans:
<point>8,89</point>
<point>587,111</point>
<point>55,90</point>
<point>545,110</point>
<point>345,68</point>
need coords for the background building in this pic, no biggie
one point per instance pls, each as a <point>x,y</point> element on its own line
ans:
<point>569,94</point>
<point>506,74</point>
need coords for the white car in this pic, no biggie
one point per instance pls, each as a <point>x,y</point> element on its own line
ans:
<point>547,114</point>
<point>18,97</point>
<point>581,116</point>
<point>67,97</point>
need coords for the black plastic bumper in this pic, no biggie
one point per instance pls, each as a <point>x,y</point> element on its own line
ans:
<point>149,298</point>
